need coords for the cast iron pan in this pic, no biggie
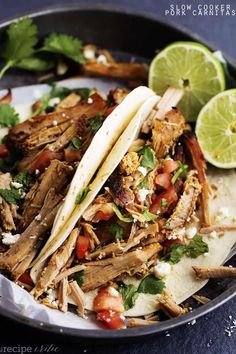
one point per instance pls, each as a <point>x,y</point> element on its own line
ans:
<point>128,33</point>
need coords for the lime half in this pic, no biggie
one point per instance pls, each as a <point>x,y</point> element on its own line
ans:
<point>216,130</point>
<point>192,67</point>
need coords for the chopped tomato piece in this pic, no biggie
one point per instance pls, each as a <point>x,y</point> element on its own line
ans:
<point>72,155</point>
<point>4,152</point>
<point>109,110</point>
<point>43,160</point>
<point>26,278</point>
<point>163,201</point>
<point>82,245</point>
<point>170,166</point>
<point>111,319</point>
<point>163,180</point>
<point>168,243</point>
<point>105,301</point>
<point>105,213</point>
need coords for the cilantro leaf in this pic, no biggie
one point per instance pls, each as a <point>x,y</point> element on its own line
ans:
<point>129,294</point>
<point>148,159</point>
<point>116,231</point>
<point>196,247</point>
<point>149,216</point>
<point>8,116</point>
<point>119,214</point>
<point>82,195</point>
<point>23,178</point>
<point>83,92</point>
<point>11,196</point>
<point>163,203</point>
<point>21,39</point>
<point>34,64</point>
<point>144,183</point>
<point>75,143</point>
<point>182,170</point>
<point>151,285</point>
<point>175,253</point>
<point>69,46</point>
<point>79,277</point>
<point>96,123</point>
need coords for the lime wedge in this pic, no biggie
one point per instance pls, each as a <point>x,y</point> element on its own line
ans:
<point>216,130</point>
<point>192,67</point>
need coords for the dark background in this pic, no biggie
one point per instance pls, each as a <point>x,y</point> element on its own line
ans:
<point>208,334</point>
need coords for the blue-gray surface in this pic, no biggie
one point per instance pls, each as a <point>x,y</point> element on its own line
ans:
<point>208,334</point>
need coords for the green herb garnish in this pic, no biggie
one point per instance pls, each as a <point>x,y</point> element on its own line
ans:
<point>182,170</point>
<point>116,231</point>
<point>16,195</point>
<point>149,216</point>
<point>119,214</point>
<point>79,277</point>
<point>96,123</point>
<point>196,247</point>
<point>151,285</point>
<point>8,116</point>
<point>148,159</point>
<point>163,203</point>
<point>175,253</point>
<point>129,294</point>
<point>76,143</point>
<point>82,195</point>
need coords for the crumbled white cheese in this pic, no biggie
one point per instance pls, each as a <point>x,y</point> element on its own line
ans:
<point>143,170</point>
<point>206,254</point>
<point>161,270</point>
<point>54,123</point>
<point>112,291</point>
<point>90,100</point>
<point>191,231</point>
<point>89,54</point>
<point>180,233</point>
<point>102,59</point>
<point>54,101</point>
<point>142,193</point>
<point>16,185</point>
<point>9,239</point>
<point>213,234</point>
<point>37,172</point>
<point>38,217</point>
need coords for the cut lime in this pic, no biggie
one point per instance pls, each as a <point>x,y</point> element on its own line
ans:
<point>192,67</point>
<point>216,130</point>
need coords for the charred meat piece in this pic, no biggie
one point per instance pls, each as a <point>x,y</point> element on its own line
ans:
<point>186,203</point>
<point>56,263</point>
<point>199,163</point>
<point>121,193</point>
<point>20,132</point>
<point>166,132</point>
<point>56,176</point>
<point>98,273</point>
<point>7,212</point>
<point>32,237</point>
<point>124,71</point>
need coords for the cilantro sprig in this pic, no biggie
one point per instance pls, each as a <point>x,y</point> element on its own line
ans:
<point>117,231</point>
<point>148,157</point>
<point>16,195</point>
<point>82,195</point>
<point>129,295</point>
<point>8,116</point>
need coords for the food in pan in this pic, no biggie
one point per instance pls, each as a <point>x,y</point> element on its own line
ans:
<point>107,203</point>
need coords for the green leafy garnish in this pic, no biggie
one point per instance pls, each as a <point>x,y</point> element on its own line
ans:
<point>196,247</point>
<point>144,182</point>
<point>148,159</point>
<point>76,143</point>
<point>151,285</point>
<point>21,39</point>
<point>24,178</point>
<point>9,163</point>
<point>83,92</point>
<point>119,214</point>
<point>79,277</point>
<point>11,196</point>
<point>96,123</point>
<point>129,294</point>
<point>66,45</point>
<point>182,170</point>
<point>163,203</point>
<point>35,64</point>
<point>8,116</point>
<point>116,231</point>
<point>82,195</point>
<point>16,195</point>
<point>149,216</point>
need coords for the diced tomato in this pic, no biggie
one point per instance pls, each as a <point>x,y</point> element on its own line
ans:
<point>72,155</point>
<point>26,278</point>
<point>105,213</point>
<point>105,301</point>
<point>82,245</point>
<point>109,110</point>
<point>43,160</point>
<point>170,166</point>
<point>4,152</point>
<point>163,180</point>
<point>163,201</point>
<point>168,243</point>
<point>111,319</point>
